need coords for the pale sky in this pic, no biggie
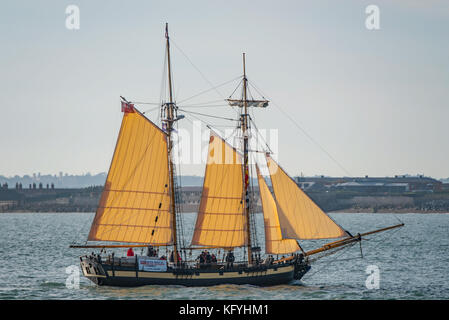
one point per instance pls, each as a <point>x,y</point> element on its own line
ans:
<point>377,101</point>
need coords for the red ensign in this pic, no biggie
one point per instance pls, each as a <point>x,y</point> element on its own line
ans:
<point>127,107</point>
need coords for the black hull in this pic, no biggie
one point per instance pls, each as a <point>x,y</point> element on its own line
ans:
<point>105,275</point>
<point>262,280</point>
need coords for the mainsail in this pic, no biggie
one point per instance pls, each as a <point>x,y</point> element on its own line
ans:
<point>274,244</point>
<point>299,216</point>
<point>135,203</point>
<point>221,217</point>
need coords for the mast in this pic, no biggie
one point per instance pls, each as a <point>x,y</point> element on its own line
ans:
<point>170,118</point>
<point>244,122</point>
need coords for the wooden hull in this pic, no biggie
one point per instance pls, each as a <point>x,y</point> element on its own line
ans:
<point>104,275</point>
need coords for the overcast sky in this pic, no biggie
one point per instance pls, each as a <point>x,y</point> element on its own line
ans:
<point>369,102</point>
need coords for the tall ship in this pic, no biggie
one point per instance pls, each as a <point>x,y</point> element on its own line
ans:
<point>140,208</point>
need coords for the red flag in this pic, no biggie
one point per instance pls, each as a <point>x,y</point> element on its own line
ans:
<point>127,107</point>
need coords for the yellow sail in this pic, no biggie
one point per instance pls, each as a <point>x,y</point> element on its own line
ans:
<point>299,216</point>
<point>221,218</point>
<point>274,243</point>
<point>135,203</point>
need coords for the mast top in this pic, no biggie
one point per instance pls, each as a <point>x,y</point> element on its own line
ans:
<point>245,101</point>
<point>244,66</point>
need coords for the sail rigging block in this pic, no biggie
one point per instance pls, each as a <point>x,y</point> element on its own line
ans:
<point>135,203</point>
<point>299,216</point>
<point>274,244</point>
<point>221,220</point>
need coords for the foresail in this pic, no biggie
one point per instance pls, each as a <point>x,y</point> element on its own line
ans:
<point>135,203</point>
<point>299,216</point>
<point>274,244</point>
<point>221,217</point>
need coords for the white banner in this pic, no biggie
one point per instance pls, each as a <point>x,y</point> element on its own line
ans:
<point>148,264</point>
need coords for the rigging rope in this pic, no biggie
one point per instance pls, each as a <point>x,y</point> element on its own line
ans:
<point>193,65</point>
<point>152,103</point>
<point>205,91</point>
<point>163,93</point>
<point>339,249</point>
<point>304,132</point>
<point>203,76</point>
<point>203,106</point>
<point>208,115</point>
<point>178,197</point>
<point>150,110</point>
<point>260,135</point>
<point>207,102</point>
<point>328,254</point>
<point>238,86</point>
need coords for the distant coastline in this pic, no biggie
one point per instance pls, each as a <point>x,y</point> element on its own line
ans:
<point>418,195</point>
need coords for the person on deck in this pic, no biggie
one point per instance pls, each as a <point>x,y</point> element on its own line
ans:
<point>150,251</point>
<point>130,252</point>
<point>208,258</point>
<point>201,260</point>
<point>230,260</point>
<point>172,257</point>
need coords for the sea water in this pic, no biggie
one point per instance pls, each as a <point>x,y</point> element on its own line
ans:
<point>411,262</point>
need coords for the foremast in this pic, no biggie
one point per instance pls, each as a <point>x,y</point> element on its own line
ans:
<point>244,126</point>
<point>169,111</point>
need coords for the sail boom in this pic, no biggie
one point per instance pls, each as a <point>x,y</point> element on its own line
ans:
<point>349,240</point>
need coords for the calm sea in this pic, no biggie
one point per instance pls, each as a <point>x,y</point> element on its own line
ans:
<point>412,262</point>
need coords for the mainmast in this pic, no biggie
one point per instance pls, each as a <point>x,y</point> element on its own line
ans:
<point>170,110</point>
<point>244,124</point>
